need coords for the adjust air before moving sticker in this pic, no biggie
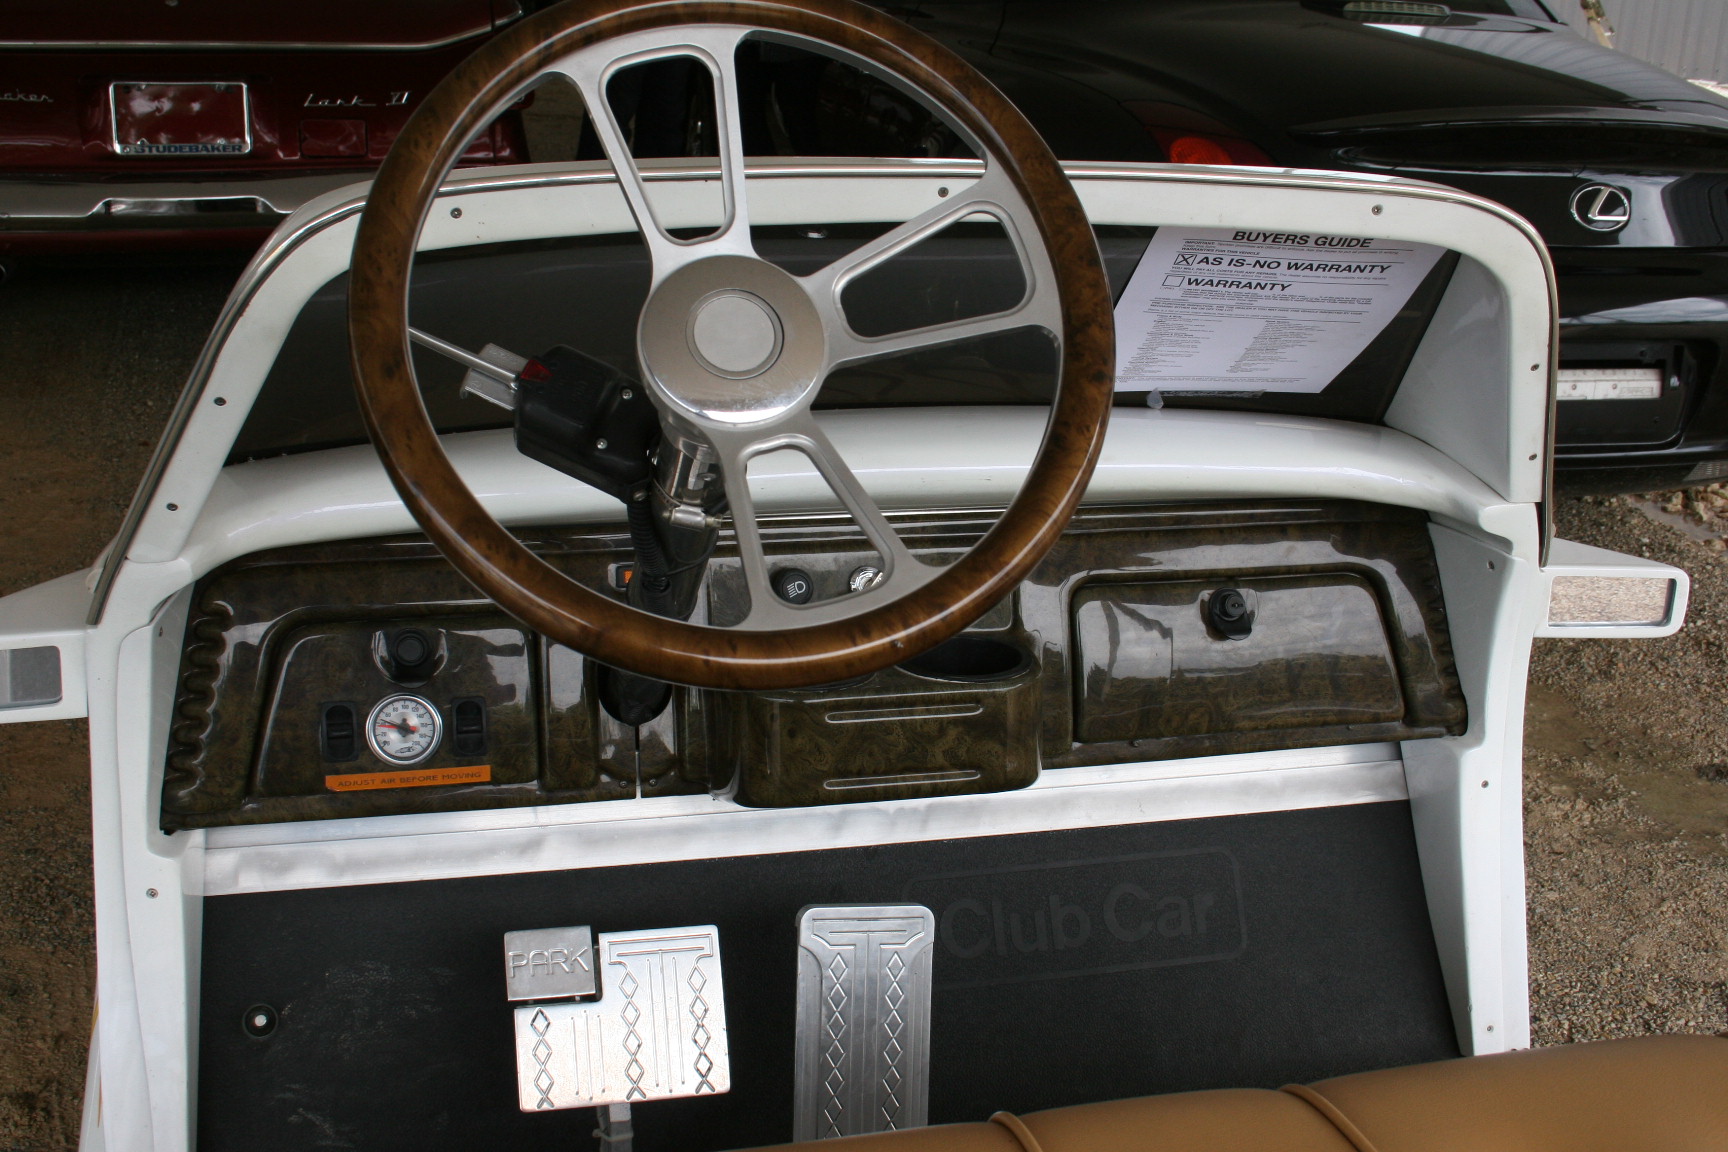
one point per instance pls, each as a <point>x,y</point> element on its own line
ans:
<point>1237,310</point>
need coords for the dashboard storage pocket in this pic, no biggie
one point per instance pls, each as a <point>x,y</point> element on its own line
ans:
<point>1152,663</point>
<point>962,718</point>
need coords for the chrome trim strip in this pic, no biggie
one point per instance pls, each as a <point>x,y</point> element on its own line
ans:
<point>277,249</point>
<point>50,205</point>
<point>291,234</point>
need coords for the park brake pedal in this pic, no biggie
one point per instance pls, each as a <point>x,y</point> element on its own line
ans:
<point>863,1032</point>
<point>657,1030</point>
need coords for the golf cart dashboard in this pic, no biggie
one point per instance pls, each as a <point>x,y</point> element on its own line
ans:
<point>367,677</point>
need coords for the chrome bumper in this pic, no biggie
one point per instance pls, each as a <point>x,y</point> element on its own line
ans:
<point>47,203</point>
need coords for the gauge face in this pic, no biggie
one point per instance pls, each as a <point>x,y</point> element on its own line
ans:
<point>403,729</point>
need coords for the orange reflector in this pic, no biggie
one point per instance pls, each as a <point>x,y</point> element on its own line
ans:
<point>1198,150</point>
<point>409,778</point>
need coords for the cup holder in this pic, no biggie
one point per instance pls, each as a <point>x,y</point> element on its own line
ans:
<point>961,719</point>
<point>970,660</point>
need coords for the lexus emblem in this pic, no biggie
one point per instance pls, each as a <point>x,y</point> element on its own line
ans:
<point>1602,207</point>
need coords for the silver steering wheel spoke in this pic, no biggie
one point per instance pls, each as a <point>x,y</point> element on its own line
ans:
<point>734,349</point>
<point>901,570</point>
<point>714,47</point>
<point>992,195</point>
<point>983,194</point>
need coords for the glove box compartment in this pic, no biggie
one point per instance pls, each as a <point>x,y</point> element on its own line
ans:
<point>1151,663</point>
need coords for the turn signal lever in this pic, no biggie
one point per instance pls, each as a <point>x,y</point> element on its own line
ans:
<point>573,412</point>
<point>586,419</point>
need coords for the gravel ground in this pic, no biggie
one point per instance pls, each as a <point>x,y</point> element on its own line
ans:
<point>93,360</point>
<point>1627,743</point>
<point>1626,800</point>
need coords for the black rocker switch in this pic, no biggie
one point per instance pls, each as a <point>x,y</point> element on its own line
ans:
<point>468,726</point>
<point>336,733</point>
<point>793,585</point>
<point>1227,612</point>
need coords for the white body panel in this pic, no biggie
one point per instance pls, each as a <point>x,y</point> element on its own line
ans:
<point>984,454</point>
<point>1466,443</point>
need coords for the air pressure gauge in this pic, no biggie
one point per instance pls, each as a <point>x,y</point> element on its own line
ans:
<point>403,729</point>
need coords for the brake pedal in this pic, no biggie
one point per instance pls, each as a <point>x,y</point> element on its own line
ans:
<point>863,1042</point>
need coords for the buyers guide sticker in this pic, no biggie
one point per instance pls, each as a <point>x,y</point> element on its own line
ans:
<point>1232,310</point>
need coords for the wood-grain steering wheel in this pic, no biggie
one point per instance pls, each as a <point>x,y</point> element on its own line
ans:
<point>744,410</point>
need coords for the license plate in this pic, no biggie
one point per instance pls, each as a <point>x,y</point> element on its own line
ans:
<point>180,119</point>
<point>1609,384</point>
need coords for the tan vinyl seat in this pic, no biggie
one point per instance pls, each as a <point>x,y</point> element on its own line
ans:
<point>1646,1094</point>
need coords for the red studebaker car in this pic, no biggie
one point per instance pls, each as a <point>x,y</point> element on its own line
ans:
<point>194,121</point>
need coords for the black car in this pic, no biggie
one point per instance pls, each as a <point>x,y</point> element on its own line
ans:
<point>1623,167</point>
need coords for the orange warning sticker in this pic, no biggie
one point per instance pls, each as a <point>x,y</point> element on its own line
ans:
<point>409,778</point>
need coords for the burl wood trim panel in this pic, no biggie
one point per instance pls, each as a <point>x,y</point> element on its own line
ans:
<point>1000,734</point>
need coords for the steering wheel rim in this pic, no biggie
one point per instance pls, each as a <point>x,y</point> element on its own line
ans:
<point>945,600</point>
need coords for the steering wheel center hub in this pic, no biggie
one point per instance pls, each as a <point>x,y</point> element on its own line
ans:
<point>732,339</point>
<point>734,334</point>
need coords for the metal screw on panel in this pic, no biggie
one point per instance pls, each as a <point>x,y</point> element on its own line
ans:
<point>455,213</point>
<point>259,1021</point>
<point>221,400</point>
<point>1377,209</point>
<point>627,394</point>
<point>941,191</point>
<point>600,445</point>
<point>150,892</point>
<point>173,507</point>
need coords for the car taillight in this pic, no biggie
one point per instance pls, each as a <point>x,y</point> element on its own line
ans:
<point>1190,137</point>
<point>1196,148</point>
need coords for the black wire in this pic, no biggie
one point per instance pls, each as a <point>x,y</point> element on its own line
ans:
<point>651,572</point>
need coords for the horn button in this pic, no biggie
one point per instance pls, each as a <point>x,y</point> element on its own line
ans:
<point>733,339</point>
<point>734,334</point>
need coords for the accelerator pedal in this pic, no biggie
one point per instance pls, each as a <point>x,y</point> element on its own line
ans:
<point>863,1048</point>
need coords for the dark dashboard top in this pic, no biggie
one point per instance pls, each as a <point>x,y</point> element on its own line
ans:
<point>587,292</point>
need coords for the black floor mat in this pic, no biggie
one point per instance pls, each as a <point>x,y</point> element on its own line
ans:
<point>1070,967</point>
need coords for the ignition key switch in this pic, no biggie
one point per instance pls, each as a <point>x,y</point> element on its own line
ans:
<point>1227,612</point>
